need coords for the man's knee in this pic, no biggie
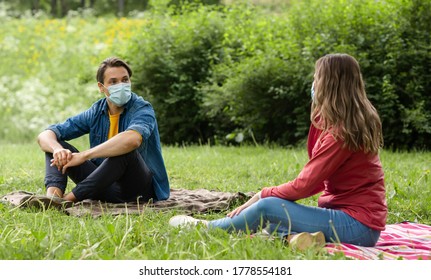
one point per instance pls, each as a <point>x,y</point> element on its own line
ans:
<point>68,146</point>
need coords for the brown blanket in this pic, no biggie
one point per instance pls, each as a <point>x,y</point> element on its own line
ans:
<point>189,201</point>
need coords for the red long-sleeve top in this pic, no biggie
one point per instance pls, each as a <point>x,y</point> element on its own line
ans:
<point>350,181</point>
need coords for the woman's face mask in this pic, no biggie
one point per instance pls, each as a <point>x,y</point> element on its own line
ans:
<point>120,93</point>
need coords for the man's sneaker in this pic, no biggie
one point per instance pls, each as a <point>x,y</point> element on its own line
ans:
<point>183,220</point>
<point>305,240</point>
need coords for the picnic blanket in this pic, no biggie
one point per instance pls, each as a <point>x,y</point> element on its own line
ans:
<point>406,240</point>
<point>189,201</point>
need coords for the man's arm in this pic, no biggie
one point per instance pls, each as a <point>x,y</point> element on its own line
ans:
<point>48,143</point>
<point>120,144</point>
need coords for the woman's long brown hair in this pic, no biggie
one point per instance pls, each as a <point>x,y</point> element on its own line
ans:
<point>340,104</point>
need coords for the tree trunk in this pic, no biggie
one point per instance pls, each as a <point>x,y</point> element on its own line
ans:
<point>34,6</point>
<point>85,5</point>
<point>54,8</point>
<point>120,8</point>
<point>64,8</point>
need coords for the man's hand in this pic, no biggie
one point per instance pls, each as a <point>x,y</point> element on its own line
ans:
<point>61,157</point>
<point>238,210</point>
<point>75,160</point>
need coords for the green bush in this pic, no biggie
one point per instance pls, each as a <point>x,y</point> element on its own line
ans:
<point>255,99</point>
<point>186,2</point>
<point>187,63</point>
<point>171,57</point>
<point>412,78</point>
<point>223,73</point>
<point>261,88</point>
<point>236,70</point>
<point>391,40</point>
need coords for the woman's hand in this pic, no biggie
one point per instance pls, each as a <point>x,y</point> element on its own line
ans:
<point>238,210</point>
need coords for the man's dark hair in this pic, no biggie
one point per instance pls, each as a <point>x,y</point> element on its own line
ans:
<point>111,62</point>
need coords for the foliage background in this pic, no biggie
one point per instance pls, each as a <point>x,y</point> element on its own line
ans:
<point>220,73</point>
<point>226,71</point>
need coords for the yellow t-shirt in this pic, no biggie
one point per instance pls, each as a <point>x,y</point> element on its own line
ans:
<point>113,125</point>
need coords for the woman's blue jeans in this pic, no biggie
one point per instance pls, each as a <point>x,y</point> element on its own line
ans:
<point>284,217</point>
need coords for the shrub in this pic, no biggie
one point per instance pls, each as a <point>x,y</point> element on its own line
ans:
<point>250,73</point>
<point>391,40</point>
<point>260,99</point>
<point>171,57</point>
<point>224,73</point>
<point>261,88</point>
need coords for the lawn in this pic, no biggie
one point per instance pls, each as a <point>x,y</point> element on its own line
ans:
<point>34,235</point>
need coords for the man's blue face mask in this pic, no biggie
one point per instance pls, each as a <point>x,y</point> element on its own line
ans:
<point>120,94</point>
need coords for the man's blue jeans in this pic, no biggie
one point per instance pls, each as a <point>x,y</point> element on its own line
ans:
<point>285,217</point>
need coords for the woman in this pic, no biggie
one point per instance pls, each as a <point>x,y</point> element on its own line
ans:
<point>343,144</point>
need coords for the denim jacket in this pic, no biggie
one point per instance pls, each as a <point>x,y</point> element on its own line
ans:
<point>138,115</point>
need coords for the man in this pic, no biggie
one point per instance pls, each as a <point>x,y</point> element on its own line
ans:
<point>124,162</point>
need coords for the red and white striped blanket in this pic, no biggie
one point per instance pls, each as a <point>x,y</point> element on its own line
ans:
<point>406,240</point>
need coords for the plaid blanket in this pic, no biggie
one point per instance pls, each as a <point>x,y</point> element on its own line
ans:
<point>406,240</point>
<point>188,201</point>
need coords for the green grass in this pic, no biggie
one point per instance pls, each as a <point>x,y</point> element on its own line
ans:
<point>29,234</point>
